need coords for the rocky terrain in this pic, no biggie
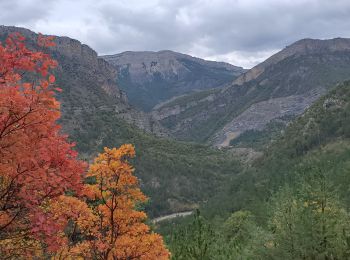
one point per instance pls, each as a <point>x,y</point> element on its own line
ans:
<point>88,83</point>
<point>149,78</point>
<point>285,84</point>
<point>259,114</point>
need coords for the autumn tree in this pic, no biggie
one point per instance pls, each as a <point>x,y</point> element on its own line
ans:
<point>119,231</point>
<point>37,164</point>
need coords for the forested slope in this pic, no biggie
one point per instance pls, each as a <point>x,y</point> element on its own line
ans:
<point>292,203</point>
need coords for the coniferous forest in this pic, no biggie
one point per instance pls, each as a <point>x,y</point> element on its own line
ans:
<point>140,151</point>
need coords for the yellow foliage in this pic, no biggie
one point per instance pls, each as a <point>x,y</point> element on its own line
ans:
<point>119,231</point>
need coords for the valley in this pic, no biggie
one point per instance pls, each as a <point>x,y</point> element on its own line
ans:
<point>175,130</point>
<point>97,113</point>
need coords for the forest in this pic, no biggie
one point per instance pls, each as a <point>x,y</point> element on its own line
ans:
<point>291,203</point>
<point>58,200</point>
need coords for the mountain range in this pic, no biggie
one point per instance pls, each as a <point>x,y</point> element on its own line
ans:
<point>97,114</point>
<point>281,87</point>
<point>105,102</point>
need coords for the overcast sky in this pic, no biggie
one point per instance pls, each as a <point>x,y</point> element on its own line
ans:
<point>242,32</point>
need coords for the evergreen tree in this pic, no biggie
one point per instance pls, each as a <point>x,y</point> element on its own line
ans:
<point>193,241</point>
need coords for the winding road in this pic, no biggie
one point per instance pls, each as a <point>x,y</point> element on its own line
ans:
<point>171,216</point>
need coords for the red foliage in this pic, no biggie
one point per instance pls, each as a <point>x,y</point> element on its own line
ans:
<point>37,164</point>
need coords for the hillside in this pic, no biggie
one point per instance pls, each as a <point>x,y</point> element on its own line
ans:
<point>281,87</point>
<point>95,113</point>
<point>319,138</point>
<point>291,203</point>
<point>176,176</point>
<point>149,78</point>
<point>88,83</point>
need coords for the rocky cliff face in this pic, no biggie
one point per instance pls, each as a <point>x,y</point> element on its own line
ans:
<point>149,78</point>
<point>88,83</point>
<point>285,84</point>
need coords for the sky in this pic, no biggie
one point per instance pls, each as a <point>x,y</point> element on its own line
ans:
<point>241,32</point>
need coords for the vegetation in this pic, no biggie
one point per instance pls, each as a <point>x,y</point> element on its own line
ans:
<point>260,139</point>
<point>92,117</point>
<point>193,97</point>
<point>293,202</point>
<point>47,210</point>
<point>319,71</point>
<point>168,170</point>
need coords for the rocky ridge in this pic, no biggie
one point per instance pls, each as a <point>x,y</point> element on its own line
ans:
<point>286,83</point>
<point>149,78</point>
<point>89,83</point>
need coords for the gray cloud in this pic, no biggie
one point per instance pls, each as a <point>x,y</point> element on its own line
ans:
<point>242,32</point>
<point>25,11</point>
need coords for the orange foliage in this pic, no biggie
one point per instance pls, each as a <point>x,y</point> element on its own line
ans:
<point>119,231</point>
<point>38,169</point>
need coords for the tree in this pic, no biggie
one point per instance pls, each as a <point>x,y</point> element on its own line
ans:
<point>37,164</point>
<point>193,241</point>
<point>309,221</point>
<point>118,230</point>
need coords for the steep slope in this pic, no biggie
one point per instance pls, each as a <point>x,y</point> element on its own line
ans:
<point>282,86</point>
<point>318,139</point>
<point>149,78</point>
<point>292,203</point>
<point>95,113</point>
<point>88,83</point>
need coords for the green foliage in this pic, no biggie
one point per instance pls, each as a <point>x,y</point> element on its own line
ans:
<point>320,134</point>
<point>193,97</point>
<point>193,241</point>
<point>260,139</point>
<point>309,222</point>
<point>237,226</point>
<point>306,219</point>
<point>168,170</point>
<point>238,238</point>
<point>295,75</point>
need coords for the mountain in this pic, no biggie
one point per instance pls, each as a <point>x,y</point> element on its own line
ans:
<point>88,83</point>
<point>281,87</point>
<point>318,139</point>
<point>291,203</point>
<point>95,113</point>
<point>150,78</point>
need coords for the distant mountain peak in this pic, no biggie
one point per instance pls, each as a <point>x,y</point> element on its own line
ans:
<point>282,86</point>
<point>150,77</point>
<point>300,47</point>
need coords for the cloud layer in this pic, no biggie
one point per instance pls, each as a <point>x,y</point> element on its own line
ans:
<point>242,32</point>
